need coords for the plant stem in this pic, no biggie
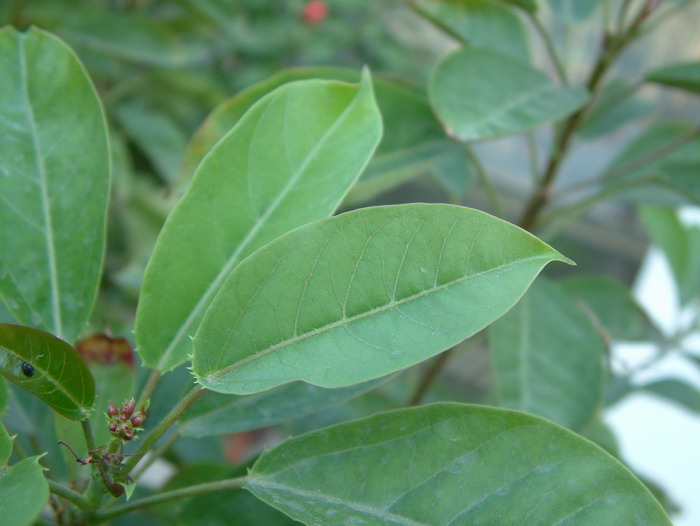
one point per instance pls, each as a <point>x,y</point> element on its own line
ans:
<point>534,158</point>
<point>173,416</point>
<point>115,489</point>
<point>148,388</point>
<point>155,455</point>
<point>190,491</point>
<point>70,495</point>
<point>429,377</point>
<point>612,48</point>
<point>549,45</point>
<point>481,173</point>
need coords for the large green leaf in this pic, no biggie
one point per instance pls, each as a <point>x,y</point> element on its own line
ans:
<point>548,358</point>
<point>289,161</point>
<point>479,93</point>
<point>23,487</point>
<point>413,140</point>
<point>54,183</point>
<point>361,295</point>
<point>611,303</point>
<point>451,464</point>
<point>218,414</point>
<point>484,23</point>
<point>680,244</point>
<point>685,76</point>
<point>48,367</point>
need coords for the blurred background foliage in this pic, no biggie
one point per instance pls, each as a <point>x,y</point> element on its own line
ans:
<point>162,67</point>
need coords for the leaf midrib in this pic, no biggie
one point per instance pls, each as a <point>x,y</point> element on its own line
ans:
<point>233,259</point>
<point>371,312</point>
<point>45,201</point>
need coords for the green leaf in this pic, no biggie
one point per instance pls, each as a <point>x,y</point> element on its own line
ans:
<point>157,135</point>
<point>54,183</point>
<point>483,23</point>
<point>47,367</point>
<point>289,161</point>
<point>527,5</point>
<point>479,94</point>
<point>218,414</point>
<point>413,140</point>
<point>453,173</point>
<point>3,396</point>
<point>677,391</point>
<point>548,358</point>
<point>611,303</point>
<point>685,76</point>
<point>361,295</point>
<point>96,30</point>
<point>615,108</point>
<point>680,244</point>
<point>23,486</point>
<point>573,11</point>
<point>447,464</point>
<point>670,177</point>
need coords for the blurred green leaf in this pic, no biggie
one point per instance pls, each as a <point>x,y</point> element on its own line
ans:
<point>289,161</point>
<point>54,183</point>
<point>47,367</point>
<point>573,11</point>
<point>160,139</point>
<point>548,358</point>
<point>616,107</point>
<point>670,177</point>
<point>218,414</point>
<point>685,76</point>
<point>482,23</point>
<point>96,29</point>
<point>678,391</point>
<point>680,244</point>
<point>5,445</point>
<point>479,93</point>
<point>365,294</point>
<point>611,303</point>
<point>3,396</point>
<point>459,464</point>
<point>453,173</point>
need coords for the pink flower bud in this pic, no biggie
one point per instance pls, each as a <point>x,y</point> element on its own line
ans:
<point>128,408</point>
<point>112,409</point>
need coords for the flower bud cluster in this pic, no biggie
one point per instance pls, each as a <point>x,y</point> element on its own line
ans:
<point>123,422</point>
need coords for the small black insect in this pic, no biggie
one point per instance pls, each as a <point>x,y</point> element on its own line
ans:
<point>27,369</point>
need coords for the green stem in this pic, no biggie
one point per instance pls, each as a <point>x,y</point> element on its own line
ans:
<point>173,416</point>
<point>534,158</point>
<point>429,377</point>
<point>190,491</point>
<point>70,495</point>
<point>549,45</point>
<point>148,389</point>
<point>115,489</point>
<point>483,176</point>
<point>155,455</point>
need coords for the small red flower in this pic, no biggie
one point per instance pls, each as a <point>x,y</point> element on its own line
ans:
<point>315,12</point>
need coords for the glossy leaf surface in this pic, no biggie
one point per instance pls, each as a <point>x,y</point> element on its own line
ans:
<point>23,487</point>
<point>450,464</point>
<point>54,183</point>
<point>479,93</point>
<point>483,23</point>
<point>47,367</point>
<point>685,76</point>
<point>361,295</point>
<point>218,414</point>
<point>548,358</point>
<point>288,162</point>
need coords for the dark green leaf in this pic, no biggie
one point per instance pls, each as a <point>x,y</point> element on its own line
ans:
<point>685,76</point>
<point>680,244</point>
<point>289,161</point>
<point>611,303</point>
<point>483,23</point>
<point>677,391</point>
<point>218,414</point>
<point>548,358</point>
<point>448,464</point>
<point>54,183</point>
<point>479,93</point>
<point>48,367</point>
<point>361,295</point>
<point>5,445</point>
<point>3,396</point>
